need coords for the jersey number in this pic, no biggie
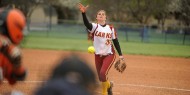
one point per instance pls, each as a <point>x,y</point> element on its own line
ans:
<point>108,42</point>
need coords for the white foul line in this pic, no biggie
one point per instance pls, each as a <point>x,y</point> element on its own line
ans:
<point>134,85</point>
<point>155,87</point>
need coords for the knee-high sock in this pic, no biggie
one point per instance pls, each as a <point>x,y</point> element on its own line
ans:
<point>105,86</point>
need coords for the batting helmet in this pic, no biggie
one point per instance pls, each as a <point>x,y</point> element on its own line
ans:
<point>12,22</point>
<point>74,67</point>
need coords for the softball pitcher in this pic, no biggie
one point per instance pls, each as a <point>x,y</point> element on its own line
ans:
<point>103,36</point>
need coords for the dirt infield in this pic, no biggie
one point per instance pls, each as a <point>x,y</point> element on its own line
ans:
<point>145,75</point>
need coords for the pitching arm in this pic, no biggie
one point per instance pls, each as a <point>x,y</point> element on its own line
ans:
<point>86,22</point>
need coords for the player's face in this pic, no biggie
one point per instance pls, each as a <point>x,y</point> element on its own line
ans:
<point>101,16</point>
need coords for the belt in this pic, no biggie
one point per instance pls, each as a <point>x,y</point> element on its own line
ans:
<point>102,55</point>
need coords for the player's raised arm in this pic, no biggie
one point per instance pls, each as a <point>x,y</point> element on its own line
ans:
<point>85,20</point>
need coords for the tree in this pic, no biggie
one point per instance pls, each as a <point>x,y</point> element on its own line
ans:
<point>116,9</point>
<point>137,11</point>
<point>184,12</point>
<point>26,6</point>
<point>142,10</point>
<point>65,8</point>
<point>163,10</point>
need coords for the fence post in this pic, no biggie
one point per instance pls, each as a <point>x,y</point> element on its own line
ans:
<point>184,37</point>
<point>28,23</point>
<point>165,37</point>
<point>126,36</point>
<point>142,34</point>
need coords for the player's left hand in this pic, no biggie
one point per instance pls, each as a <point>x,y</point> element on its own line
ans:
<point>120,64</point>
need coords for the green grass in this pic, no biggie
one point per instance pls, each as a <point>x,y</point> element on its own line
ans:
<point>156,49</point>
<point>55,43</point>
<point>60,43</point>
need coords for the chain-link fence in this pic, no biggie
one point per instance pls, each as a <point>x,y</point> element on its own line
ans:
<point>126,32</point>
<point>152,34</point>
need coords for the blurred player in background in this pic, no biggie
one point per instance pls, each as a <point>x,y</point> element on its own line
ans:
<point>12,23</point>
<point>71,76</point>
<point>103,36</point>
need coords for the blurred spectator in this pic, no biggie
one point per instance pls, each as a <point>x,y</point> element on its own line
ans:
<point>71,77</point>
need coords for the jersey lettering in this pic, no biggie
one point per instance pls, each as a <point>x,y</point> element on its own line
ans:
<point>108,35</point>
<point>103,35</point>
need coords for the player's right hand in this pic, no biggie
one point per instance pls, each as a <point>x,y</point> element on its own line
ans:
<point>82,7</point>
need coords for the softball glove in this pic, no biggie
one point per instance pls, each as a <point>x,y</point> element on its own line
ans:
<point>120,65</point>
